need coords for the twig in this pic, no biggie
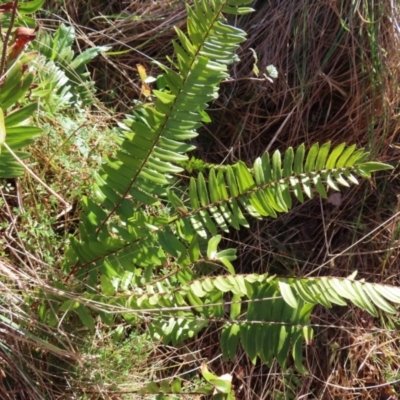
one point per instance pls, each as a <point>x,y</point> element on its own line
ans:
<point>280,129</point>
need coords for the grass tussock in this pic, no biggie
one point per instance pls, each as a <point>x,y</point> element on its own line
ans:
<point>36,359</point>
<point>337,78</point>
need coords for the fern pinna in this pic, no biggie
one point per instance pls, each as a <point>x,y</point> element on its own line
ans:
<point>142,219</point>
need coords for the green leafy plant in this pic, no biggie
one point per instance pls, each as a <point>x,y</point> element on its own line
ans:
<point>64,74</point>
<point>16,78</point>
<point>142,218</point>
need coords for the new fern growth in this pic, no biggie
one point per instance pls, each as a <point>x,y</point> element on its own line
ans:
<point>140,220</point>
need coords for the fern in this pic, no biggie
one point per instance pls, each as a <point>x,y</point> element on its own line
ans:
<point>154,139</point>
<point>139,220</point>
<point>52,88</point>
<point>57,50</point>
<point>216,203</point>
<point>277,316</point>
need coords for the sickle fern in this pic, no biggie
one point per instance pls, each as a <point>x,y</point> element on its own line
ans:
<point>216,201</point>
<point>154,138</point>
<point>139,220</point>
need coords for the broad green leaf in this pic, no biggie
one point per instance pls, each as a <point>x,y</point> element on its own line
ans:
<point>106,286</point>
<point>202,190</point>
<point>373,166</point>
<point>247,335</point>
<point>20,115</point>
<point>377,299</point>
<point>87,55</point>
<point>171,244</point>
<point>329,292</point>
<point>287,293</point>
<point>237,11</point>
<point>20,91</point>
<point>307,186</point>
<point>350,177</point>
<point>222,284</point>
<point>230,341</point>
<point>322,156</point>
<point>358,297</point>
<point>389,293</point>
<point>297,354</point>
<point>298,166</point>
<point>150,388</point>
<point>340,179</point>
<point>222,385</point>
<point>335,154</point>
<point>244,179</point>
<point>311,158</point>
<point>288,162</point>
<point>85,316</point>
<point>283,346</point>
<point>207,375</point>
<point>308,334</point>
<point>197,289</point>
<point>164,386</point>
<point>303,292</point>
<point>320,187</point>
<point>208,285</point>
<point>265,351</point>
<point>30,7</point>
<point>316,292</point>
<point>331,183</point>
<point>69,305</point>
<point>194,250</point>
<point>357,157</point>
<point>235,306</point>
<point>341,162</point>
<point>276,165</point>
<point>118,334</point>
<point>164,97</point>
<point>176,386</point>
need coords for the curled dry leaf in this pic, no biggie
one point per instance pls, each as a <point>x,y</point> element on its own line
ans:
<point>22,36</point>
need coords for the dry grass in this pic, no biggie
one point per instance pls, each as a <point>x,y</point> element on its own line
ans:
<point>35,358</point>
<point>337,79</point>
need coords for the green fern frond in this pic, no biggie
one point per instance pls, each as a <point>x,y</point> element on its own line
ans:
<point>58,50</point>
<point>154,138</point>
<point>52,86</point>
<point>265,190</point>
<point>277,316</point>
